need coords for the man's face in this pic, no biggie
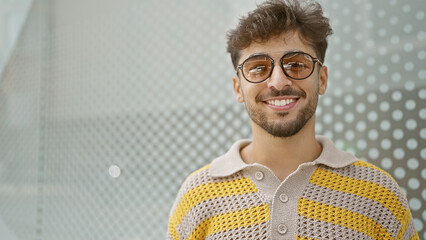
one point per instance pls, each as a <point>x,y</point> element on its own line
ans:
<point>280,105</point>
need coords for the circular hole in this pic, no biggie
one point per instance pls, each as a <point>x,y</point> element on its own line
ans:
<point>399,153</point>
<point>412,143</point>
<point>386,144</point>
<point>415,204</point>
<point>373,153</point>
<point>385,125</point>
<point>413,183</point>
<point>412,163</point>
<point>386,163</point>
<point>396,96</point>
<point>410,104</point>
<point>411,124</point>
<point>398,134</point>
<point>399,173</point>
<point>384,106</point>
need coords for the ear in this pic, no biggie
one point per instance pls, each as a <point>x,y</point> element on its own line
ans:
<point>323,78</point>
<point>237,89</point>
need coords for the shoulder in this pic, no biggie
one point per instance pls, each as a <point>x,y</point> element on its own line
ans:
<point>200,186</point>
<point>195,179</point>
<point>367,193</point>
<point>186,199</point>
<point>202,196</point>
<point>373,176</point>
<point>366,179</point>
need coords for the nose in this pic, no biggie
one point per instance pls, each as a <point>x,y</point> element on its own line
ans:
<point>278,79</point>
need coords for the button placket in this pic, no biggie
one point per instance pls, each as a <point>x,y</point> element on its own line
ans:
<point>284,204</point>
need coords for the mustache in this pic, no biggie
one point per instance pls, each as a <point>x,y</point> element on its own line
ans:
<point>281,93</point>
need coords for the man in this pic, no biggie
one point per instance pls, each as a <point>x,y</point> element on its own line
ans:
<point>286,183</point>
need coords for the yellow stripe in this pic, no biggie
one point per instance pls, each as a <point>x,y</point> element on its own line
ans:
<point>342,217</point>
<point>231,220</point>
<point>415,236</point>
<point>305,238</point>
<point>208,191</point>
<point>361,188</point>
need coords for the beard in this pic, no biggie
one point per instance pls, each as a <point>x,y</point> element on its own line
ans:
<point>283,128</point>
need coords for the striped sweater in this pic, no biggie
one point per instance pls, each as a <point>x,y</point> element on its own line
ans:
<point>334,197</point>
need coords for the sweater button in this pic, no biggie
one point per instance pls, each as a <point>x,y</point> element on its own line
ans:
<point>258,175</point>
<point>282,229</point>
<point>283,198</point>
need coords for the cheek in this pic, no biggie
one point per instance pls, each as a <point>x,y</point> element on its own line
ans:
<point>251,90</point>
<point>249,94</point>
<point>313,87</point>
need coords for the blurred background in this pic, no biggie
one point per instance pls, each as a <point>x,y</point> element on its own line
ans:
<point>106,106</point>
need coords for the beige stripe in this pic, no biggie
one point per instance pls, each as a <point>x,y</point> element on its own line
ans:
<point>354,203</point>
<point>213,207</point>
<point>367,189</point>
<point>368,172</point>
<point>198,178</point>
<point>316,229</point>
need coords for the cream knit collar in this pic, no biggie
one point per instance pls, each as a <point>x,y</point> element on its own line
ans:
<point>231,162</point>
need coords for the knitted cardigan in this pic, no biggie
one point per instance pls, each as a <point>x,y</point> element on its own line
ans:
<point>334,197</point>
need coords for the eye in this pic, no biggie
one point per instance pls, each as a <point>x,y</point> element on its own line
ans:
<point>257,69</point>
<point>295,66</point>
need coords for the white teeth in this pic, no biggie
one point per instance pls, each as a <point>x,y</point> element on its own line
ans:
<point>282,102</point>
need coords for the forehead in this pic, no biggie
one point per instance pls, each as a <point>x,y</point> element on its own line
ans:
<point>277,46</point>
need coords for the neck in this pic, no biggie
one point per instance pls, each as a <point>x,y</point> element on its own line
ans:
<point>282,155</point>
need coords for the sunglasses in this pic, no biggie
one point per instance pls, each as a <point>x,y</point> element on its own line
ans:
<point>296,65</point>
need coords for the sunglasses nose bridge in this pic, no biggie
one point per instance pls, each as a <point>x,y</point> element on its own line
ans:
<point>278,77</point>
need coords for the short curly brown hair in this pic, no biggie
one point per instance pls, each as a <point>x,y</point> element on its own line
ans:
<point>275,17</point>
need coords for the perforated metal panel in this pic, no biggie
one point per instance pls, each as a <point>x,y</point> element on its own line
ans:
<point>107,106</point>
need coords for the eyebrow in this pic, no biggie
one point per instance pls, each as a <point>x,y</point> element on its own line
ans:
<point>268,54</point>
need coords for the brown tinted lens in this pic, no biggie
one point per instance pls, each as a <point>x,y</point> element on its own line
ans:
<point>257,68</point>
<point>298,65</point>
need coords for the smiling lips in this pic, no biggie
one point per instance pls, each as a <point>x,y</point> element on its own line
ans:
<point>281,104</point>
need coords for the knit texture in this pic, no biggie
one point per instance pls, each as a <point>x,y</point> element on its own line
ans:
<point>359,201</point>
